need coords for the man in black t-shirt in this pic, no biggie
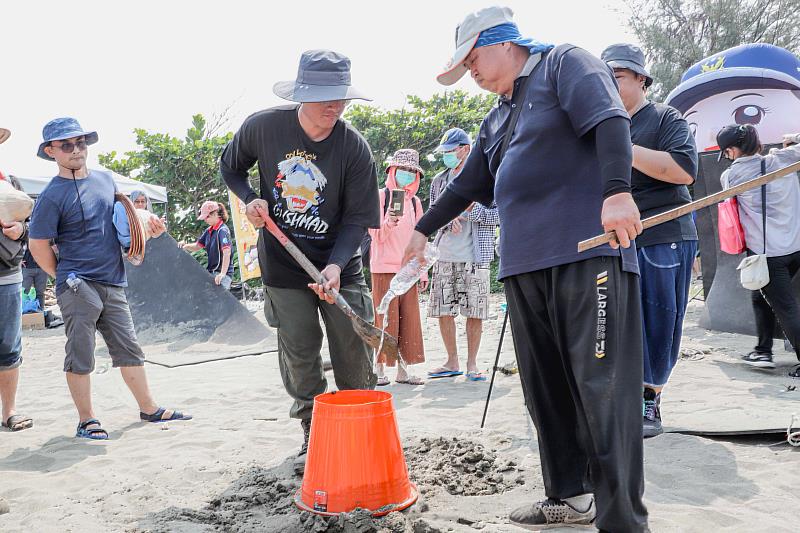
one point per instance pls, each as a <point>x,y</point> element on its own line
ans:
<point>564,177</point>
<point>664,163</point>
<point>318,182</point>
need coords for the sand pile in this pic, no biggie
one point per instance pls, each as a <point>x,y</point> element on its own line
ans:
<point>462,467</point>
<point>261,500</point>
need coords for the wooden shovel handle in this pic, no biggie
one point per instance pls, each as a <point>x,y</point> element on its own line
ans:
<point>706,201</point>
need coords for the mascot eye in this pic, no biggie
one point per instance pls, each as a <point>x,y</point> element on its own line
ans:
<point>749,114</point>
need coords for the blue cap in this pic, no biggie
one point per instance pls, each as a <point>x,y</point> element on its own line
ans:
<point>452,139</point>
<point>62,128</point>
<point>748,66</point>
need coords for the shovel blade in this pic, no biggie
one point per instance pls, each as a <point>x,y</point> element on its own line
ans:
<point>372,337</point>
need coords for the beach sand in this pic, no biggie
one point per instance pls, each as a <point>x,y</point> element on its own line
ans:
<point>229,468</point>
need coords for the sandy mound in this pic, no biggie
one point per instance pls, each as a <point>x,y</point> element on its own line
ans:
<point>461,467</point>
<point>262,499</point>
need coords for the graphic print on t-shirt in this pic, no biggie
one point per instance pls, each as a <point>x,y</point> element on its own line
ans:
<point>298,193</point>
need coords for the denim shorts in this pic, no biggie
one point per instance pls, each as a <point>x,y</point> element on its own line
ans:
<point>10,326</point>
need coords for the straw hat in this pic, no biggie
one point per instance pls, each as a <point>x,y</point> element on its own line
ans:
<point>4,135</point>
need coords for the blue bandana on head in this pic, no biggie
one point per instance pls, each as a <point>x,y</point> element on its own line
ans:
<point>509,33</point>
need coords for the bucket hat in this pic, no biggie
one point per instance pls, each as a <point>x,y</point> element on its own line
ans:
<point>62,128</point>
<point>406,158</point>
<point>627,56</point>
<point>323,75</point>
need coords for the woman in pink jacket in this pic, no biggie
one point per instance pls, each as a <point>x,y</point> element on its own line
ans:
<point>386,255</point>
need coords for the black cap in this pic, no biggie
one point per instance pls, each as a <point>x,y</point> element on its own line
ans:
<point>729,136</point>
<point>627,56</point>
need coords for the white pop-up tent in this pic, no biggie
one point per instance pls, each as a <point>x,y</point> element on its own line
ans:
<point>33,186</point>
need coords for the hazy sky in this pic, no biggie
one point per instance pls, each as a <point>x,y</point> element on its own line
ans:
<point>117,65</point>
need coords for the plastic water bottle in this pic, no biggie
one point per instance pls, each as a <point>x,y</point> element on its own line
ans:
<point>73,282</point>
<point>408,276</point>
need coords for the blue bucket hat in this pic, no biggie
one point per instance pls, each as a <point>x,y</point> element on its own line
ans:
<point>323,76</point>
<point>62,128</point>
<point>747,66</point>
<point>452,139</point>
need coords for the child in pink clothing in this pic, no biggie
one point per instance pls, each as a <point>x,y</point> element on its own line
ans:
<point>386,256</point>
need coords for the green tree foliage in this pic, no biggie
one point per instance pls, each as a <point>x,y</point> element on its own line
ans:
<point>188,168</point>
<point>419,125</point>
<point>675,34</point>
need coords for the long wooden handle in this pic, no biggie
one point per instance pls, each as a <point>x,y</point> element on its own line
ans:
<point>303,261</point>
<point>706,201</point>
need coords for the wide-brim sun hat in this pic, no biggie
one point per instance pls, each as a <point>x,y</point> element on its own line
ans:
<point>322,76</point>
<point>63,128</point>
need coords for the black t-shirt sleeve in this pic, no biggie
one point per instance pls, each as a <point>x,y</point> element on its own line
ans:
<point>238,157</point>
<point>586,90</point>
<point>359,207</point>
<point>675,138</point>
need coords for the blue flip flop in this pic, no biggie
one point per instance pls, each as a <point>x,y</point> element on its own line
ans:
<point>474,375</point>
<point>445,374</point>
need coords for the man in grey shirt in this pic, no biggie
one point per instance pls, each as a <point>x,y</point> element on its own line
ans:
<point>460,281</point>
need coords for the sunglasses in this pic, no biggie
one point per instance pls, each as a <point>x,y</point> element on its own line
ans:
<point>69,147</point>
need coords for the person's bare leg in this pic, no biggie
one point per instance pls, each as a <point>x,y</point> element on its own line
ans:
<point>80,387</point>
<point>474,330</point>
<point>447,327</point>
<point>136,380</point>
<point>8,391</point>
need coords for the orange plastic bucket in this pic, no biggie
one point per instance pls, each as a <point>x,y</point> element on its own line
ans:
<point>354,456</point>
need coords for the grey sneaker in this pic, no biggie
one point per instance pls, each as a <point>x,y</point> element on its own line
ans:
<point>551,513</point>
<point>652,414</point>
<point>759,360</point>
<point>300,461</point>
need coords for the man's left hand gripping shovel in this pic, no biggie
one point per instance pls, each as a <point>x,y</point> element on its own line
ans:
<point>369,333</point>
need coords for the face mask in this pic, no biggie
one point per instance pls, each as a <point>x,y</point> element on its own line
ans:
<point>404,177</point>
<point>450,159</point>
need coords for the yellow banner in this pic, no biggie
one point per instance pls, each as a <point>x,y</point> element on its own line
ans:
<point>246,240</point>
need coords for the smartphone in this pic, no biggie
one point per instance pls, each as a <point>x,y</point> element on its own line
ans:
<point>397,201</point>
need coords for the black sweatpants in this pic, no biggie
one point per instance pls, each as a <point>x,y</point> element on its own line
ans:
<point>780,296</point>
<point>578,337</point>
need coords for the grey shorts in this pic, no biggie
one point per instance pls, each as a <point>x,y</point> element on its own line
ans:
<point>459,288</point>
<point>98,307</point>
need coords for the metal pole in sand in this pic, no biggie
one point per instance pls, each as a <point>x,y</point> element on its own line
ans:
<point>494,368</point>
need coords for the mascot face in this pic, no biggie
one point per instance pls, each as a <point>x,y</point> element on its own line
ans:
<point>772,111</point>
<point>756,84</point>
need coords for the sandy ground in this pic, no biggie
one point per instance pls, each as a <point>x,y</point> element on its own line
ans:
<point>228,470</point>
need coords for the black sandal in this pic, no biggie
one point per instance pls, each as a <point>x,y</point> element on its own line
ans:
<point>157,416</point>
<point>85,432</point>
<point>18,423</point>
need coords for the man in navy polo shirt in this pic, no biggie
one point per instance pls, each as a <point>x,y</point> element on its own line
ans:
<point>564,177</point>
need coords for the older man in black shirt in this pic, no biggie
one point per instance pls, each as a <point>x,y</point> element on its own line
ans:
<point>664,163</point>
<point>559,175</point>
